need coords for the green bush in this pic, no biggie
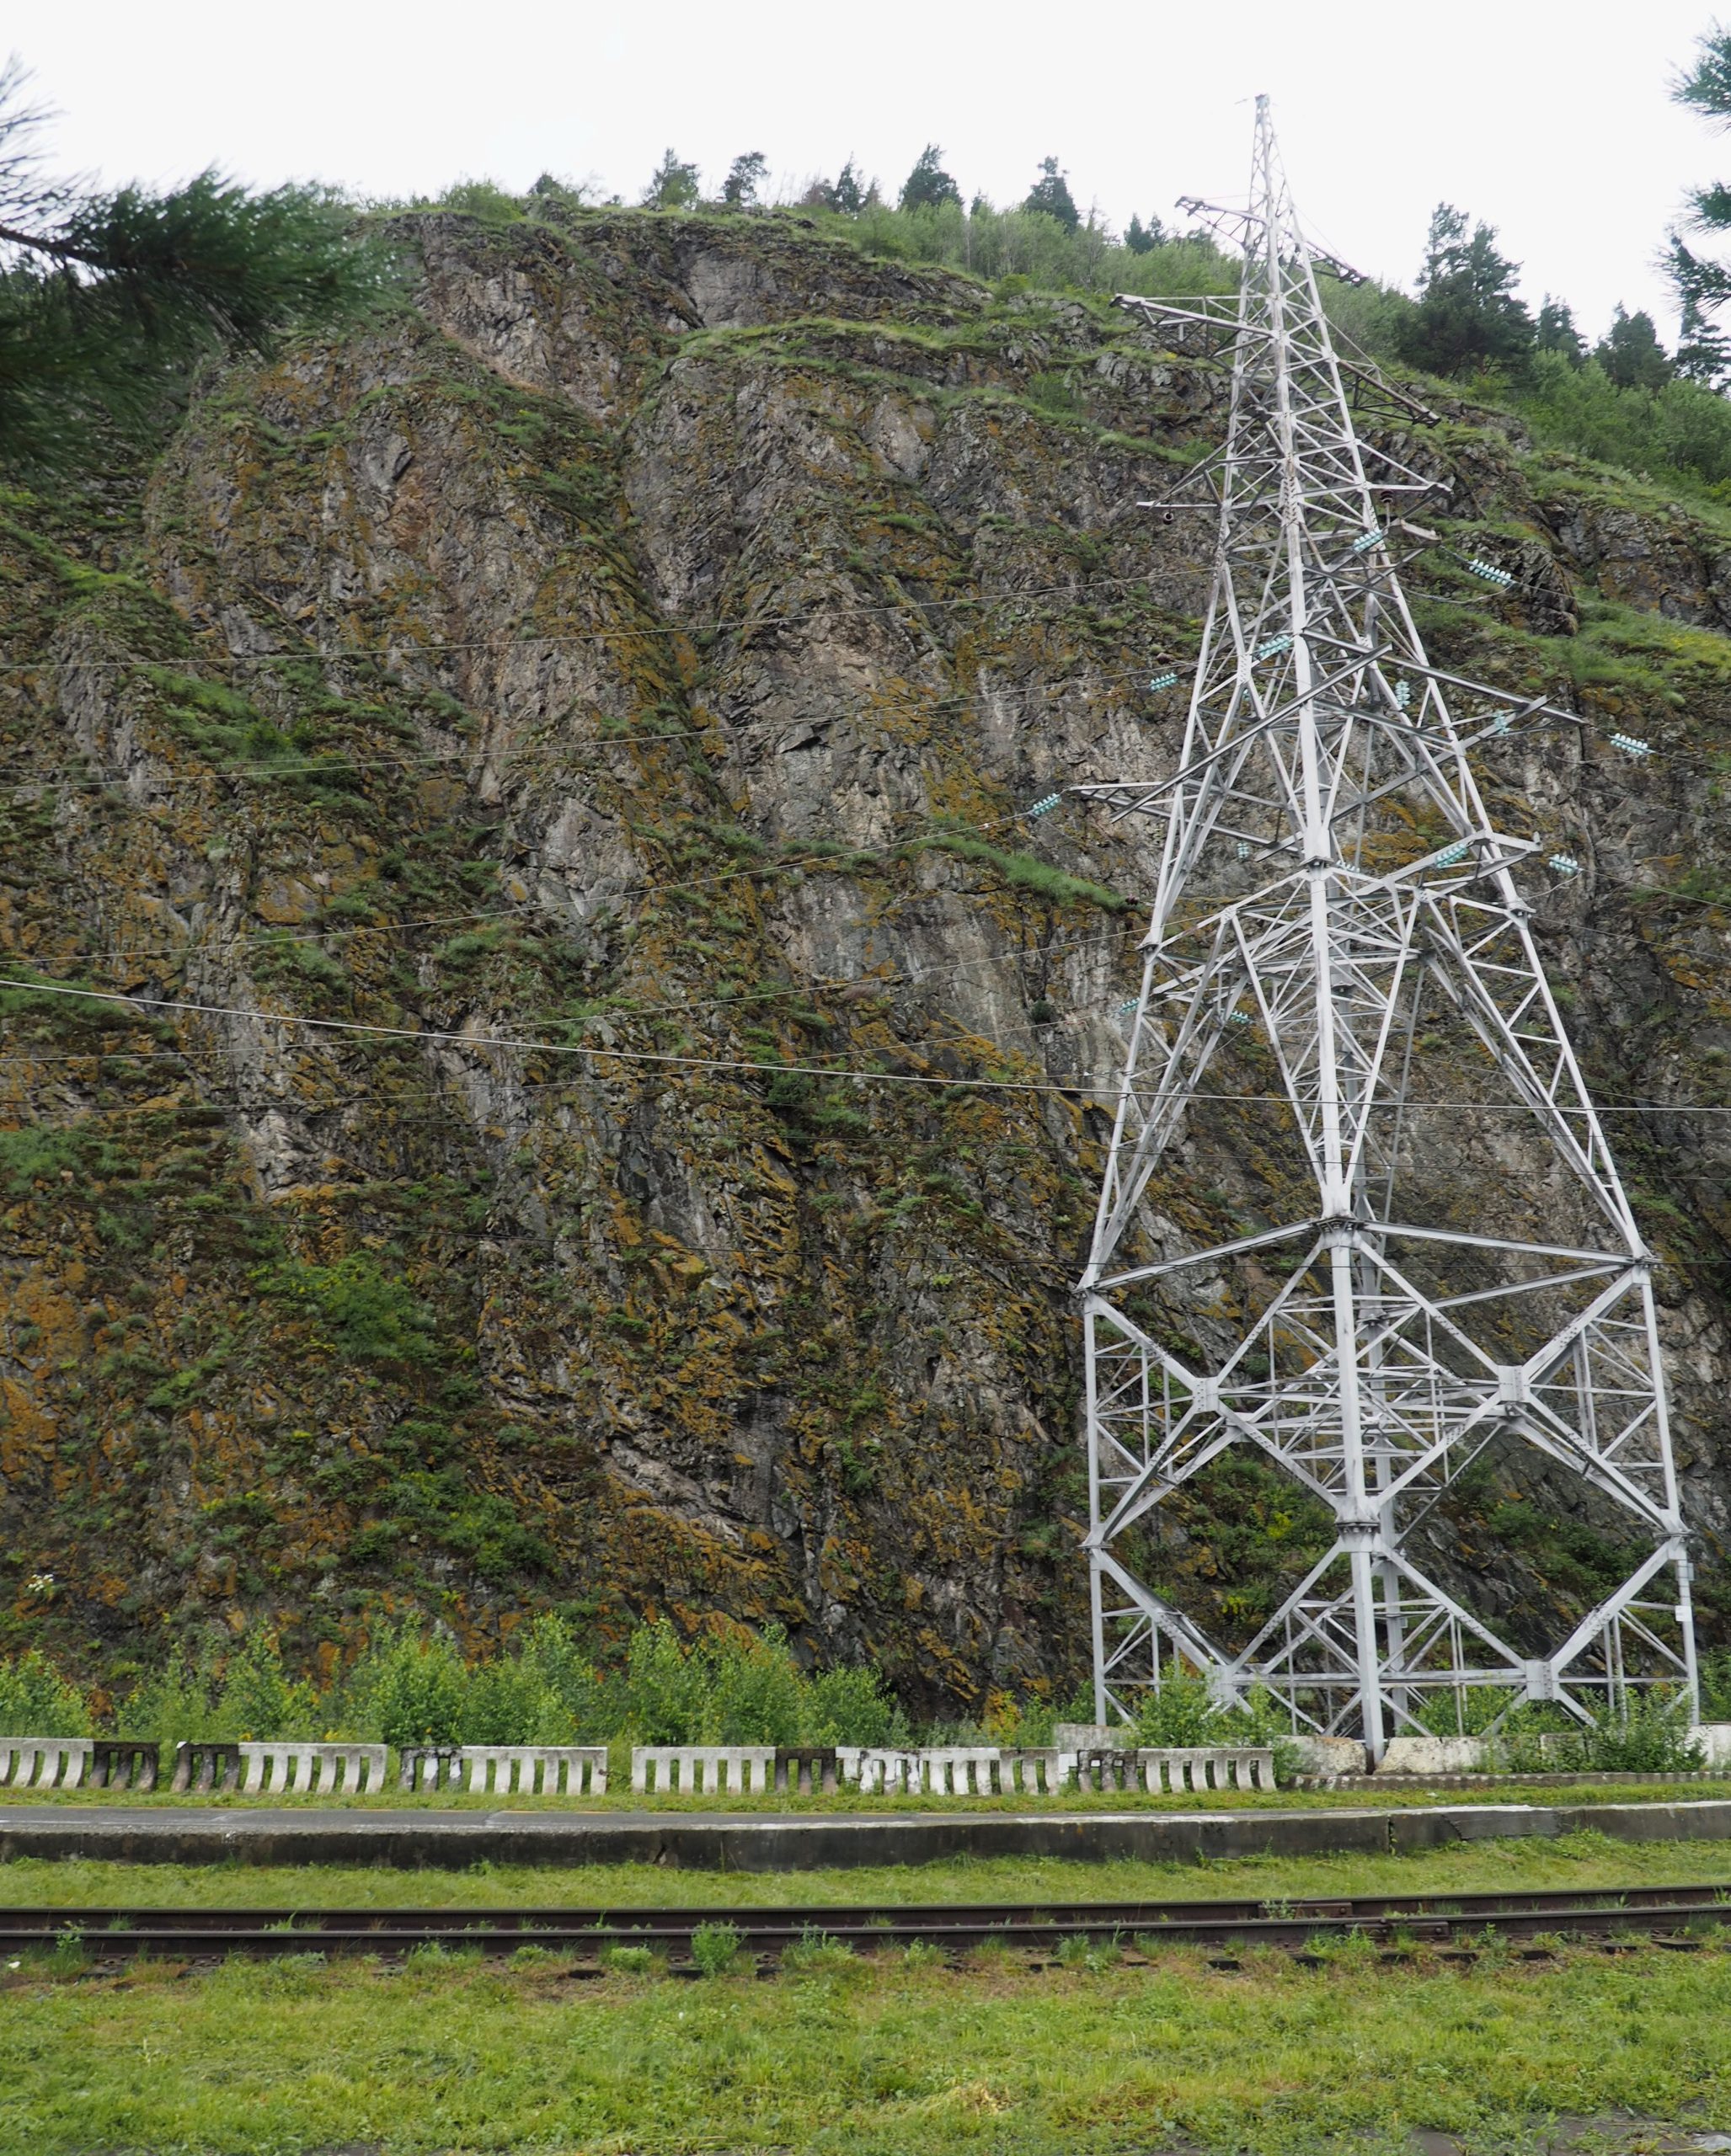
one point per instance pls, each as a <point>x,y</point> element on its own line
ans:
<point>1681,429</point>
<point>370,1313</point>
<point>1716,1686</point>
<point>258,1699</point>
<point>413,1687</point>
<point>409,1688</point>
<point>35,1700</point>
<point>715,1949</point>
<point>754,1692</point>
<point>233,1692</point>
<point>744,1689</point>
<point>1650,1737</point>
<point>850,1706</point>
<point>1184,1712</point>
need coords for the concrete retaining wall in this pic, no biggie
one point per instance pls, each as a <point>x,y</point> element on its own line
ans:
<point>793,1842</point>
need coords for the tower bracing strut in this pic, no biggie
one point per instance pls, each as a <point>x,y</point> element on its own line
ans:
<point>1440,1277</point>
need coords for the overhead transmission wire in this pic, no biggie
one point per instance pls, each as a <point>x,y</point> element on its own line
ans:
<point>623,737</point>
<point>450,1038</point>
<point>874,983</point>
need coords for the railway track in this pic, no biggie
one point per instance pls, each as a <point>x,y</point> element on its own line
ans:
<point>1683,1917</point>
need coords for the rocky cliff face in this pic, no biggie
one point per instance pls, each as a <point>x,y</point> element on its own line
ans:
<point>610,690</point>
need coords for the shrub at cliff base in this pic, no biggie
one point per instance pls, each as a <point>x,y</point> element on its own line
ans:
<point>414,1687</point>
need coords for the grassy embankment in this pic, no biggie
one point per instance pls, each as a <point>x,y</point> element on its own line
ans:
<point>446,2053</point>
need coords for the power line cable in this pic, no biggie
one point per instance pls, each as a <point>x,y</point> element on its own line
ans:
<point>447,1037</point>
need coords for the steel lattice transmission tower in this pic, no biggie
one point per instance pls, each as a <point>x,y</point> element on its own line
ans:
<point>1443,1264</point>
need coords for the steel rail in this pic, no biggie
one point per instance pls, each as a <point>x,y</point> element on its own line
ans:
<point>1667,1914</point>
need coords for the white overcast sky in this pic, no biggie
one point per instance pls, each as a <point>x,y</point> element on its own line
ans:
<point>1550,118</point>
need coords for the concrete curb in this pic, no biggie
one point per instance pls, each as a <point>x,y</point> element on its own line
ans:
<point>730,1842</point>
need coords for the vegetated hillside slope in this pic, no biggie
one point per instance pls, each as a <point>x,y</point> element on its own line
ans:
<point>637,658</point>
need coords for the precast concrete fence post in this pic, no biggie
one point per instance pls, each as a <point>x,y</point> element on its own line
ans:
<point>701,1768</point>
<point>1200,1766</point>
<point>341,1769</point>
<point>201,1765</point>
<point>959,1770</point>
<point>429,1766</point>
<point>43,1762</point>
<point>535,1770</point>
<point>879,1771</point>
<point>124,1763</point>
<point>1104,1769</point>
<point>806,1770</point>
<point>1031,1771</point>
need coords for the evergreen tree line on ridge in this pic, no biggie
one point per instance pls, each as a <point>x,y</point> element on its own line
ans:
<point>111,301</point>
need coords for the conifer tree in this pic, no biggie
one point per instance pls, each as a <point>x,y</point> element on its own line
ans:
<point>844,194</point>
<point>1631,354</point>
<point>928,184</point>
<point>745,176</point>
<point>1467,317</point>
<point>109,299</point>
<point>1050,195</point>
<point>1703,353</point>
<point>1555,332</point>
<point>1703,285</point>
<point>1143,239</point>
<point>673,184</point>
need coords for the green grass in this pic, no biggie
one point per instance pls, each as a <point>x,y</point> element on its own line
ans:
<point>877,2057</point>
<point>1590,1862</point>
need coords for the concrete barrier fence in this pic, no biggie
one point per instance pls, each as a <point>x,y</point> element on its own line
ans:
<point>43,1762</point>
<point>806,1770</point>
<point>1245,1766</point>
<point>124,1763</point>
<point>429,1766</point>
<point>932,1770</point>
<point>341,1769</point>
<point>535,1769</point>
<point>1103,1767</point>
<point>879,1769</point>
<point>201,1765</point>
<point>959,1769</point>
<point>701,1770</point>
<point>1027,1772</point>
